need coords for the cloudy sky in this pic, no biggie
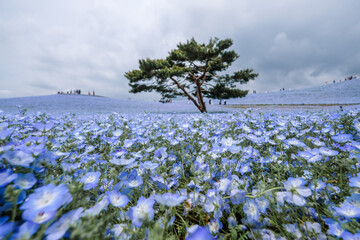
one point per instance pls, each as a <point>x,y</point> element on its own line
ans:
<point>50,45</point>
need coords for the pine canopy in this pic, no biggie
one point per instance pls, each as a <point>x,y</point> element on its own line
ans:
<point>192,70</point>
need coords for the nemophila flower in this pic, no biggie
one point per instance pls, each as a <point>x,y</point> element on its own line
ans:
<point>262,204</point>
<point>197,232</point>
<point>90,179</point>
<point>244,168</point>
<point>117,199</point>
<point>237,196</point>
<point>6,228</point>
<point>346,235</point>
<point>117,133</point>
<point>312,227</point>
<point>129,142</point>
<point>232,221</point>
<point>6,177</point>
<point>26,230</point>
<point>328,152</point>
<point>348,211</point>
<point>223,185</point>
<point>317,142</point>
<point>251,210</point>
<point>227,142</point>
<point>98,207</point>
<point>150,165</point>
<point>5,133</point>
<point>265,234</point>
<point>160,154</point>
<point>119,231</point>
<point>49,197</point>
<point>169,199</point>
<point>58,229</point>
<point>296,191</point>
<point>354,200</point>
<point>18,158</point>
<point>342,138</point>
<point>335,228</point>
<point>143,211</point>
<point>293,229</point>
<point>122,161</point>
<point>214,225</point>
<point>43,127</point>
<point>354,182</point>
<point>38,216</point>
<point>295,142</point>
<point>25,181</point>
<point>357,125</point>
<point>133,182</point>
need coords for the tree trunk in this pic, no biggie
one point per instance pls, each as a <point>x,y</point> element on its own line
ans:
<point>202,106</point>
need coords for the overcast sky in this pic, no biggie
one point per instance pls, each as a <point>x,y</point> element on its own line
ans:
<point>50,45</point>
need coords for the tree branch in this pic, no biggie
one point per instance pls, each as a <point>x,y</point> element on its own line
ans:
<point>186,93</point>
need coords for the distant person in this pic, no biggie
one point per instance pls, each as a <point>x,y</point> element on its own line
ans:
<point>224,102</point>
<point>93,93</point>
<point>79,91</point>
<point>283,89</point>
<point>211,102</point>
<point>220,102</point>
<point>334,81</point>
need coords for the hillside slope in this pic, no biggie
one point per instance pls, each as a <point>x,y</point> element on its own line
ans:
<point>335,93</point>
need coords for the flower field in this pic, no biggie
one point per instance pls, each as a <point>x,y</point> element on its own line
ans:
<point>248,175</point>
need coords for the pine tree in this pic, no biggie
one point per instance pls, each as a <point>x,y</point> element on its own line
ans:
<point>192,70</point>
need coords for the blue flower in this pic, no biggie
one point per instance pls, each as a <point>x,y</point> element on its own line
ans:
<point>98,207</point>
<point>349,236</point>
<point>335,228</point>
<point>7,177</point>
<point>197,232</point>
<point>223,185</point>
<point>150,165</point>
<point>328,152</point>
<point>122,161</point>
<point>293,228</point>
<point>354,182</point>
<point>245,168</point>
<point>342,138</point>
<point>49,198</point>
<point>215,225</point>
<point>58,229</point>
<point>25,181</point>
<point>117,199</point>
<point>26,230</point>
<point>262,204</point>
<point>90,179</point>
<point>38,216</point>
<point>160,154</point>
<point>296,191</point>
<point>348,211</point>
<point>133,182</point>
<point>43,127</point>
<point>142,212</point>
<point>169,199</point>
<point>6,228</point>
<point>251,210</point>
<point>237,196</point>
<point>18,158</point>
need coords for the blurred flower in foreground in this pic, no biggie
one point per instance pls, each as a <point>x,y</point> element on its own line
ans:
<point>197,232</point>
<point>169,199</point>
<point>296,191</point>
<point>143,211</point>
